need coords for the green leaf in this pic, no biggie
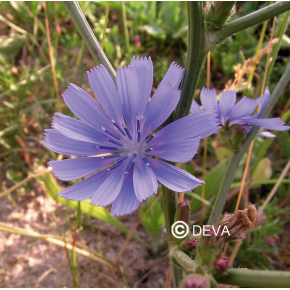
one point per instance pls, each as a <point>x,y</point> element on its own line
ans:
<point>153,221</point>
<point>153,29</point>
<point>263,170</point>
<point>97,212</point>
<point>213,181</point>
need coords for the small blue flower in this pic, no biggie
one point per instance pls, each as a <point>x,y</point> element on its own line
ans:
<point>120,126</point>
<point>238,113</point>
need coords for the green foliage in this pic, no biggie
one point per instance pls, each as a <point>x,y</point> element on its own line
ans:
<point>153,221</point>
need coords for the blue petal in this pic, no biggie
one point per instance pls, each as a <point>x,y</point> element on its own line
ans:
<point>78,130</point>
<point>176,151</point>
<point>144,179</point>
<point>128,88</point>
<point>245,107</point>
<point>85,188</point>
<point>264,134</point>
<point>162,104</point>
<point>270,124</point>
<point>110,189</point>
<point>190,127</point>
<point>70,169</point>
<point>227,102</point>
<point>126,202</point>
<point>59,143</point>
<point>106,93</point>
<point>86,108</point>
<point>144,71</point>
<point>209,100</point>
<point>172,76</point>
<point>173,177</point>
<point>263,100</point>
<point>195,107</point>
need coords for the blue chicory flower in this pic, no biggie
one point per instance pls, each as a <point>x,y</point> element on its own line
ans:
<point>239,113</point>
<point>121,129</point>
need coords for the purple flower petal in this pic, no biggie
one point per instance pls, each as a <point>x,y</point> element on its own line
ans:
<point>172,76</point>
<point>128,88</point>
<point>59,143</point>
<point>209,100</point>
<point>70,169</point>
<point>197,125</point>
<point>227,102</point>
<point>144,179</point>
<point>78,130</point>
<point>245,107</point>
<point>195,107</point>
<point>173,177</point>
<point>264,134</point>
<point>106,93</point>
<point>110,189</point>
<point>270,124</point>
<point>162,104</point>
<point>144,71</point>
<point>126,202</point>
<point>86,108</point>
<point>85,188</point>
<point>176,151</point>
<point>263,100</point>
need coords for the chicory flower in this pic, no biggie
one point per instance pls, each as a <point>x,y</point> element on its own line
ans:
<point>119,126</point>
<point>231,113</point>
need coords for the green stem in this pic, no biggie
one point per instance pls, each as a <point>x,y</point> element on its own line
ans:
<point>125,26</point>
<point>169,206</point>
<point>256,278</point>
<point>234,162</point>
<point>251,19</point>
<point>88,36</point>
<point>217,14</point>
<point>196,57</point>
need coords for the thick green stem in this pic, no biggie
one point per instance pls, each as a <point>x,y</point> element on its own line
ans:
<point>251,19</point>
<point>234,162</point>
<point>195,57</point>
<point>217,14</point>
<point>256,278</point>
<point>88,36</point>
<point>169,206</point>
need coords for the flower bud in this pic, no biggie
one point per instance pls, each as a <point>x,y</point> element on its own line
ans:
<point>190,244</point>
<point>195,281</point>
<point>183,211</point>
<point>221,263</point>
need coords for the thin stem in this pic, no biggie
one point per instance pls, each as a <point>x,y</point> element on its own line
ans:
<point>234,162</point>
<point>88,36</point>
<point>273,191</point>
<point>106,23</point>
<point>52,58</point>
<point>196,57</point>
<point>125,26</point>
<point>251,19</point>
<point>256,278</point>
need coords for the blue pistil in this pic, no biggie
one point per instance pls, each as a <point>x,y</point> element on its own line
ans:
<point>119,128</point>
<point>116,143</point>
<point>113,135</point>
<point>129,167</point>
<point>108,148</point>
<point>111,156</point>
<point>138,131</point>
<point>122,159</point>
<point>145,160</point>
<point>150,138</point>
<point>148,150</point>
<point>127,132</point>
<point>114,166</point>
